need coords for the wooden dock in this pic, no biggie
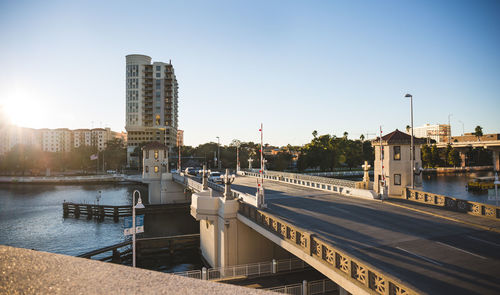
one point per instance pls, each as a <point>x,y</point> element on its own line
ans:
<point>99,212</point>
<point>120,252</point>
<point>95,211</point>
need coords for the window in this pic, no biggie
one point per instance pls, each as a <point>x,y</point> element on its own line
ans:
<point>147,169</point>
<point>156,169</point>
<point>156,154</point>
<point>397,179</point>
<point>158,68</point>
<point>165,154</point>
<point>397,153</point>
<point>158,75</point>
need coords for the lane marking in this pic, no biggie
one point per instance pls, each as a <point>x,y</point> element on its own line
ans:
<point>484,241</point>
<point>421,257</point>
<point>465,251</point>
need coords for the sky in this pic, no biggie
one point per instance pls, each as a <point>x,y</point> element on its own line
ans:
<point>295,66</point>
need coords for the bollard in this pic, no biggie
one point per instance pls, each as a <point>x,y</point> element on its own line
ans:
<point>275,266</point>
<point>204,273</point>
<point>304,287</point>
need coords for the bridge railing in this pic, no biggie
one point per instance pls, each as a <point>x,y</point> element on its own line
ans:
<point>339,186</point>
<point>450,203</point>
<point>296,177</point>
<point>357,271</point>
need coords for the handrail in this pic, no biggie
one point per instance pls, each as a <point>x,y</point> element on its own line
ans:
<point>357,271</point>
<point>294,177</point>
<point>455,204</point>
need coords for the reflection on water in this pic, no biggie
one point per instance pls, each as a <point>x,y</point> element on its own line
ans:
<point>31,217</point>
<point>453,185</point>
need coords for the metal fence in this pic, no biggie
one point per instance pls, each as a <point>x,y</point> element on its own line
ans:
<point>255,269</point>
<point>295,289</point>
<point>311,288</point>
<point>246,270</point>
<point>321,287</point>
<point>195,274</point>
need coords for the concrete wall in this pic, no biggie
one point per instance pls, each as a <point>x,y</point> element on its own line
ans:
<point>392,167</point>
<point>209,241</point>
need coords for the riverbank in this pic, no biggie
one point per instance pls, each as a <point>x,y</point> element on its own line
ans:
<point>454,170</point>
<point>89,179</point>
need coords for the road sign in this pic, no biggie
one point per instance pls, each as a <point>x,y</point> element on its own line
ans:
<point>139,225</point>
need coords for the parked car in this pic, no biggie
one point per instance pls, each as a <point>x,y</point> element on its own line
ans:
<point>215,177</point>
<point>191,171</point>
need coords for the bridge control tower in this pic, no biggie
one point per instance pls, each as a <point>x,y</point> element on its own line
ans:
<point>161,188</point>
<point>396,163</point>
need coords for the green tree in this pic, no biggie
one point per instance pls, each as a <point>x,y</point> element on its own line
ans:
<point>478,132</point>
<point>454,158</point>
<point>426,156</point>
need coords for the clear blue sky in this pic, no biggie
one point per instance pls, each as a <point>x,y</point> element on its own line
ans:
<point>296,66</point>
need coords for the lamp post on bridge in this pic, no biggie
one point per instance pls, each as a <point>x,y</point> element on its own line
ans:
<point>218,153</point>
<point>134,206</point>
<point>412,148</point>
<point>228,180</point>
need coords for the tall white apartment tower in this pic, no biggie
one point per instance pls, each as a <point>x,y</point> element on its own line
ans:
<point>151,104</point>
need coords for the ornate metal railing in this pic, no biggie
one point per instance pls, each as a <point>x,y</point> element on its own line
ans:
<point>446,202</point>
<point>357,271</point>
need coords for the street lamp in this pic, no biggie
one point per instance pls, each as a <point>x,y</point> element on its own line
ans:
<point>218,152</point>
<point>412,152</point>
<point>138,206</point>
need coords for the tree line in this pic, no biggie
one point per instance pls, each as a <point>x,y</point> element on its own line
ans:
<point>31,160</point>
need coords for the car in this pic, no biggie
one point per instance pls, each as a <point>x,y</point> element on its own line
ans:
<point>215,177</point>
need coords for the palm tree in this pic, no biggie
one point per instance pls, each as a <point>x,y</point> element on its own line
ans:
<point>478,132</point>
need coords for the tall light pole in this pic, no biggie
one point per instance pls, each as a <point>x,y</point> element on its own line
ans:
<point>218,152</point>
<point>134,206</point>
<point>412,152</point>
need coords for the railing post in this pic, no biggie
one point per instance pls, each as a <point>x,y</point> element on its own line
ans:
<point>304,287</point>
<point>204,273</point>
<point>275,266</point>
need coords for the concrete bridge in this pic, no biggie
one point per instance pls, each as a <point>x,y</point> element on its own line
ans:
<point>367,246</point>
<point>463,146</point>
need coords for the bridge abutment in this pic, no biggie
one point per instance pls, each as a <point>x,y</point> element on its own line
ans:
<point>224,240</point>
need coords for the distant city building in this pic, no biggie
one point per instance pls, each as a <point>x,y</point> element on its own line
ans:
<point>11,136</point>
<point>56,140</point>
<point>180,137</point>
<point>151,104</point>
<point>438,132</point>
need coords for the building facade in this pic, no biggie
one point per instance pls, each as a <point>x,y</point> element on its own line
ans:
<point>56,140</point>
<point>151,104</point>
<point>437,132</point>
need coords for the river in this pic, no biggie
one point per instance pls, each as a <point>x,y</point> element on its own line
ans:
<point>31,217</point>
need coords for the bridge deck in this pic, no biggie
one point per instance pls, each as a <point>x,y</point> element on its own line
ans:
<point>436,255</point>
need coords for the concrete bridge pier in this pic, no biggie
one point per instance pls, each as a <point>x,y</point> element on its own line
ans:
<point>224,240</point>
<point>496,158</point>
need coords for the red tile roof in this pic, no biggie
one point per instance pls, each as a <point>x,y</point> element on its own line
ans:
<point>398,137</point>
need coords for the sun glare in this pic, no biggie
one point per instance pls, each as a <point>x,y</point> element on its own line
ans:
<point>24,113</point>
